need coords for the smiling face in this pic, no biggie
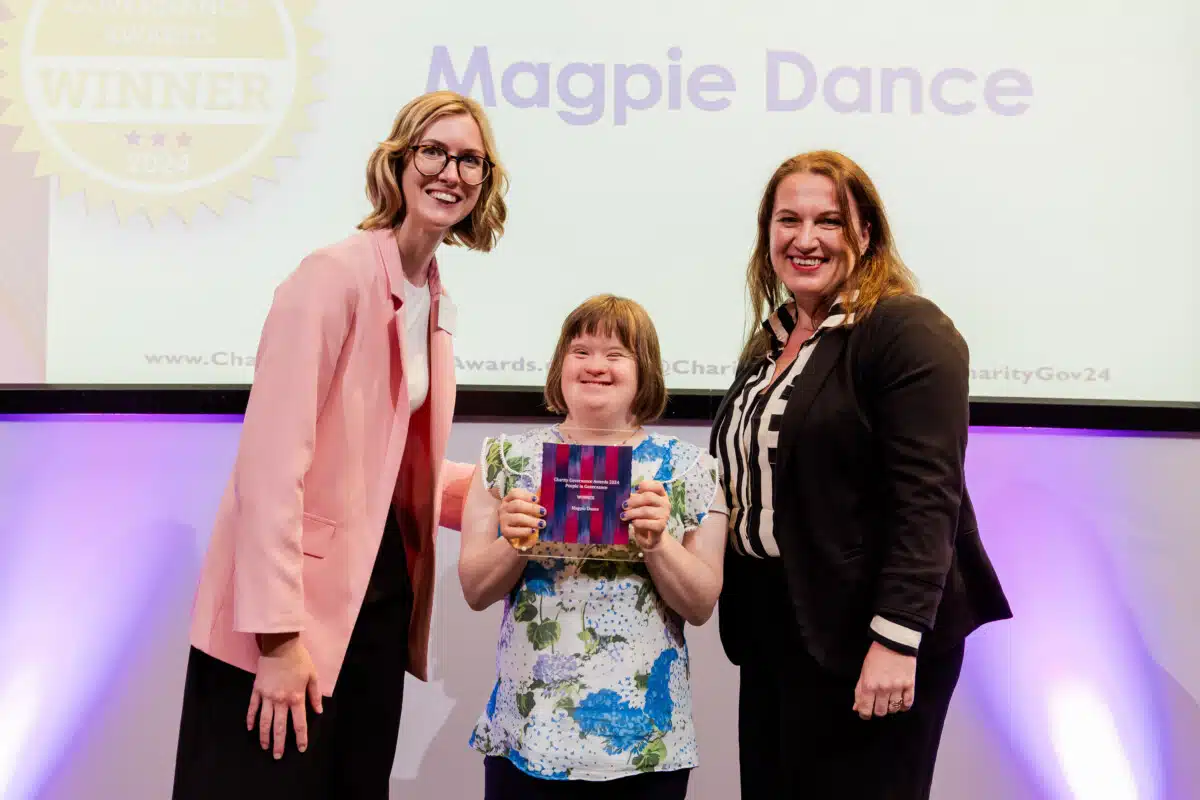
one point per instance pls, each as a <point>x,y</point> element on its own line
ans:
<point>599,377</point>
<point>809,250</point>
<point>607,369</point>
<point>443,200</point>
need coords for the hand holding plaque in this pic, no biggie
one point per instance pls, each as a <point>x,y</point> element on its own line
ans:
<point>521,518</point>
<point>647,512</point>
<point>586,527</point>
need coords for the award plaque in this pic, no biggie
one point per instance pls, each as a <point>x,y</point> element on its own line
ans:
<point>583,489</point>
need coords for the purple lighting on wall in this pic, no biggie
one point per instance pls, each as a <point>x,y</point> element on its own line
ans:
<point>1071,683</point>
<point>105,521</point>
<point>91,500</point>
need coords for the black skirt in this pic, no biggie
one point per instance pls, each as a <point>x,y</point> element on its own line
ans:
<point>352,744</point>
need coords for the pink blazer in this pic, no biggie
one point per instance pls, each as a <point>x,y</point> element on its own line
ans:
<point>327,445</point>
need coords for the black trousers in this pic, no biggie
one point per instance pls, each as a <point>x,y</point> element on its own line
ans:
<point>503,781</point>
<point>351,745</point>
<point>799,737</point>
<point>798,733</point>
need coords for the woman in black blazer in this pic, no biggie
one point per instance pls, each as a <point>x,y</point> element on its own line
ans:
<point>855,569</point>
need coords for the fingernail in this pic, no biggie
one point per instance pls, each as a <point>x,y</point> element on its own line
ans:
<point>541,523</point>
<point>625,504</point>
<point>541,511</point>
<point>624,516</point>
<point>278,756</point>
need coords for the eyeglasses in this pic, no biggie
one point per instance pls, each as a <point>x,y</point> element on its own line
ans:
<point>430,160</point>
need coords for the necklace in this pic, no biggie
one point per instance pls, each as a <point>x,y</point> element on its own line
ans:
<point>572,440</point>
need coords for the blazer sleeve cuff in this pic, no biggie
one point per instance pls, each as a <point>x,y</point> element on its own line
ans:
<point>456,481</point>
<point>894,636</point>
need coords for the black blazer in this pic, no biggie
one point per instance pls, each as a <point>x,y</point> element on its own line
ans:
<point>872,514</point>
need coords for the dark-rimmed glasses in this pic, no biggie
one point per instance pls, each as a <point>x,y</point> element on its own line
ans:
<point>431,159</point>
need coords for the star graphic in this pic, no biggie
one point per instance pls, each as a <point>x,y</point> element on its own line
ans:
<point>183,139</point>
<point>132,137</point>
<point>159,139</point>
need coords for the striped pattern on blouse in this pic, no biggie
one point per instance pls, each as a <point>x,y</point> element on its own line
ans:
<point>749,435</point>
<point>747,442</point>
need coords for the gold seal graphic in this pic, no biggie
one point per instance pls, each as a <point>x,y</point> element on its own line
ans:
<point>157,105</point>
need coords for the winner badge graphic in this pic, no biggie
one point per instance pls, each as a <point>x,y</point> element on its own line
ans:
<point>157,107</point>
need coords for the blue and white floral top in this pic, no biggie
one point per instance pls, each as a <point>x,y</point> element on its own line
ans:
<point>593,673</point>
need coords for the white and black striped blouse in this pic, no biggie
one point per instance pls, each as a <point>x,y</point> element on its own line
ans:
<point>749,436</point>
<point>746,446</point>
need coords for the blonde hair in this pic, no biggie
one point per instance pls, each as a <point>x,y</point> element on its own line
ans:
<point>876,272</point>
<point>608,315</point>
<point>482,228</point>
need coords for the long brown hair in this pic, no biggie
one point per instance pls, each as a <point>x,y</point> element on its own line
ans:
<point>625,319</point>
<point>482,228</point>
<point>876,272</point>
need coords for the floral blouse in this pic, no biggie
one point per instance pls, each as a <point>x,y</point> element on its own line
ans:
<point>593,673</point>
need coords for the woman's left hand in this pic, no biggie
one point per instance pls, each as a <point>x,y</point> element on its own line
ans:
<point>887,683</point>
<point>647,511</point>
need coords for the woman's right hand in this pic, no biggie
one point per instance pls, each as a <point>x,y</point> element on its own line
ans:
<point>286,675</point>
<point>521,519</point>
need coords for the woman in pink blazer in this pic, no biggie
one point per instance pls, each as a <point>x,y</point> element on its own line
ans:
<point>317,591</point>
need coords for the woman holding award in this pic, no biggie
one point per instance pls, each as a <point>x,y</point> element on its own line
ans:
<point>592,697</point>
<point>855,570</point>
<point>316,593</point>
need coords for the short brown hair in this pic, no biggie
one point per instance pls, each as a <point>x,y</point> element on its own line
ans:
<point>609,315</point>
<point>877,271</point>
<point>483,227</point>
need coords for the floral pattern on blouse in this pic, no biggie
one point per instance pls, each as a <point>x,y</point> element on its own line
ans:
<point>593,670</point>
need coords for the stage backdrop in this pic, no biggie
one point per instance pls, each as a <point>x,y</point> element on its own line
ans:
<point>1091,692</point>
<point>189,154</point>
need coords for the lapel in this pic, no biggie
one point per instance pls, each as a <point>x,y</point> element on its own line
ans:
<point>827,352</point>
<point>442,389</point>
<point>440,404</point>
<point>389,256</point>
